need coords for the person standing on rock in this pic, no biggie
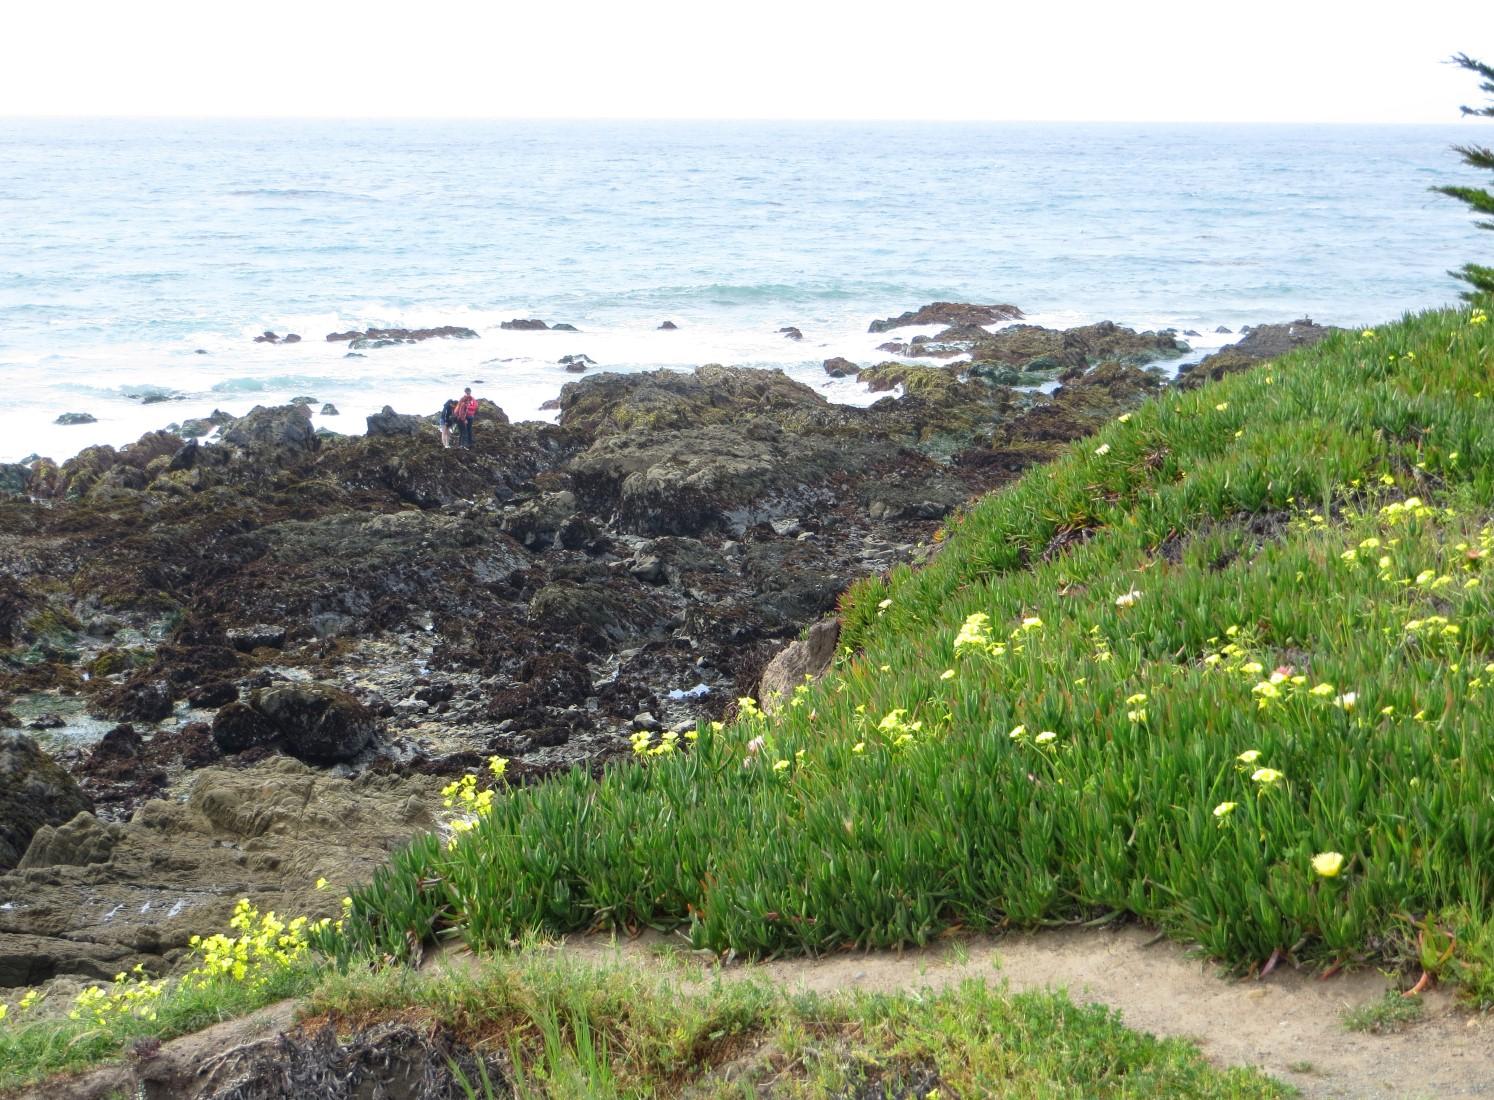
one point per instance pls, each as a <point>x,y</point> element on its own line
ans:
<point>466,412</point>
<point>445,418</point>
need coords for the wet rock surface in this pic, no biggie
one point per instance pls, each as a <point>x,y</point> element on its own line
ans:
<point>1261,343</point>
<point>198,617</point>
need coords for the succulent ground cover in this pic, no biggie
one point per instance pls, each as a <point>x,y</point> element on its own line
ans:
<point>1228,667</point>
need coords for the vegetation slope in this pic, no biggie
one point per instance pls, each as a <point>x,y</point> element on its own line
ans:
<point>1225,668</point>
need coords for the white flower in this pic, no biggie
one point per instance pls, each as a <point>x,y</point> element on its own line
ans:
<point>1046,737</point>
<point>1128,599</point>
<point>1103,449</point>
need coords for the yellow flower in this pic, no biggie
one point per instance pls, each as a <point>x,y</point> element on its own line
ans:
<point>1221,406</point>
<point>1017,733</point>
<point>1124,417</point>
<point>1224,809</point>
<point>1266,776</point>
<point>780,765</point>
<point>859,746</point>
<point>947,674</point>
<point>1032,622</point>
<point>1328,864</point>
<point>1322,689</point>
<point>1133,700</point>
<point>1249,756</point>
<point>498,766</point>
<point>321,884</point>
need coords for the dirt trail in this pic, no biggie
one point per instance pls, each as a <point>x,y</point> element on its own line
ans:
<point>1288,1025</point>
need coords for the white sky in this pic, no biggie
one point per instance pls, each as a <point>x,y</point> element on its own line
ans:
<point>1147,60</point>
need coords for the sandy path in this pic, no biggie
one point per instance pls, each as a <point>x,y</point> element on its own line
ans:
<point>1288,1025</point>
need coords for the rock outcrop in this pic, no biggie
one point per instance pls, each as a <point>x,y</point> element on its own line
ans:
<point>35,791</point>
<point>949,313</point>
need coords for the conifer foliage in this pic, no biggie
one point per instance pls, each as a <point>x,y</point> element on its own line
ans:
<point>1478,276</point>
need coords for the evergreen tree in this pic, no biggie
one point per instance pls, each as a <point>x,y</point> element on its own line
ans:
<point>1478,276</point>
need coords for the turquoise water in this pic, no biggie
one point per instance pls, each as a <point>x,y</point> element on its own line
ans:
<point>125,247</point>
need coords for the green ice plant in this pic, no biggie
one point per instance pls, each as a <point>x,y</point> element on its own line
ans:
<point>1249,707</point>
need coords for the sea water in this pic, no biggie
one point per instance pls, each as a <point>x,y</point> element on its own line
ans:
<point>140,258</point>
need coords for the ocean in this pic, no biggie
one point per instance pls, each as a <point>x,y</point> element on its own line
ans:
<point>140,258</point>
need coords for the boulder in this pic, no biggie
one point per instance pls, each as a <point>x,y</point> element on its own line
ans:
<point>75,843</point>
<point>403,335</point>
<point>316,722</point>
<point>76,418</point>
<point>576,364</point>
<point>536,522</point>
<point>329,409</point>
<point>668,326</point>
<point>15,479</point>
<point>388,422</point>
<point>238,726</point>
<point>34,791</point>
<point>806,659</point>
<point>841,368</point>
<point>286,426</point>
<point>267,337</point>
<point>949,313</point>
<point>532,324</point>
<point>792,333</point>
<point>563,327</point>
<point>1261,343</point>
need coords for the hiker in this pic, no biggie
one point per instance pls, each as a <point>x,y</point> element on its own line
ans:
<point>446,418</point>
<point>466,412</point>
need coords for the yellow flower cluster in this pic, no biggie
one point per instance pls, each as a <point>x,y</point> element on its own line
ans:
<point>265,945</point>
<point>131,994</point>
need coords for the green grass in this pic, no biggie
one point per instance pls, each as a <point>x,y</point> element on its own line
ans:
<point>44,1041</point>
<point>561,1028</point>
<point>1391,1013</point>
<point>890,802</point>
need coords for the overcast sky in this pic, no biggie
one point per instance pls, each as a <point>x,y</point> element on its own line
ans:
<point>1149,60</point>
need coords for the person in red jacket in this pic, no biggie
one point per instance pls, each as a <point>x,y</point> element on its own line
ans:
<point>466,412</point>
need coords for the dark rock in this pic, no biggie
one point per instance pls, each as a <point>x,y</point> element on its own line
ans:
<point>403,335</point>
<point>646,721</point>
<point>267,337</point>
<point>389,422</point>
<point>1191,332</point>
<point>792,333</point>
<point>329,409</point>
<point>841,368</point>
<point>246,639</point>
<point>807,659</point>
<point>563,327</point>
<point>301,400</point>
<point>284,426</point>
<point>46,721</point>
<point>139,700</point>
<point>576,364</point>
<point>215,693</point>
<point>536,522</point>
<point>949,313</point>
<point>1224,330</point>
<point>82,840</point>
<point>317,723</point>
<point>291,338</point>
<point>1261,343</point>
<point>15,479</point>
<point>649,569</point>
<point>531,325</point>
<point>34,791</point>
<point>76,418</point>
<point>668,326</point>
<point>238,726</point>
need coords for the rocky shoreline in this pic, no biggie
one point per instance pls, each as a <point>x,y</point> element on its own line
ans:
<point>237,668</point>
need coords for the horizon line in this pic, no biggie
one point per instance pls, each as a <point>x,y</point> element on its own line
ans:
<point>1455,119</point>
